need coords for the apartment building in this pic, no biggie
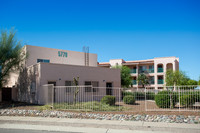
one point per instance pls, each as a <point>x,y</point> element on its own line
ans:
<point>155,69</point>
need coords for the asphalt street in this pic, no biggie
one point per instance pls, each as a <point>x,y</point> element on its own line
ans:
<point>30,131</point>
<point>60,125</point>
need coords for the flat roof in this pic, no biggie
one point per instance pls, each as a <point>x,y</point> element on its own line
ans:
<point>56,49</point>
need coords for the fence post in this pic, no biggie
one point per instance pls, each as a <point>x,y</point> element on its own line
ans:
<point>52,88</point>
<point>119,97</point>
<point>179,98</point>
<point>92,96</point>
<point>145,104</point>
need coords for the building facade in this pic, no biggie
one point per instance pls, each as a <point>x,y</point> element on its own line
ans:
<point>59,67</point>
<point>155,69</point>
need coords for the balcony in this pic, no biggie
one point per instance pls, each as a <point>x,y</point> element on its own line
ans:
<point>151,82</point>
<point>133,70</point>
<point>146,71</point>
<point>134,82</point>
<point>160,81</point>
<point>160,70</point>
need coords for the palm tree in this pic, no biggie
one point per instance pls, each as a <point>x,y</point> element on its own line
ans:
<point>11,55</point>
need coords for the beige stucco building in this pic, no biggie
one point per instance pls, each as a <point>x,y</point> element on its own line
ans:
<point>155,69</point>
<point>58,67</point>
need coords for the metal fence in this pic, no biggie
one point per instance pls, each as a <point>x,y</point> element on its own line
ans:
<point>89,98</point>
<point>173,98</point>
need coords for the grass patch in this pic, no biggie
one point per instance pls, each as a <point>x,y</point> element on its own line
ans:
<point>84,106</point>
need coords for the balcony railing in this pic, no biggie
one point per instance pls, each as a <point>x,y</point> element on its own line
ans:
<point>133,70</point>
<point>151,82</point>
<point>146,71</point>
<point>134,82</point>
<point>160,70</point>
<point>160,81</point>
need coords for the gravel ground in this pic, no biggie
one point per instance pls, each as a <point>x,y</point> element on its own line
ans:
<point>136,113</point>
<point>103,116</point>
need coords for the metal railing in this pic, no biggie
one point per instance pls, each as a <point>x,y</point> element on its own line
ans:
<point>134,82</point>
<point>146,71</point>
<point>133,70</point>
<point>160,81</point>
<point>160,70</point>
<point>174,98</point>
<point>89,98</point>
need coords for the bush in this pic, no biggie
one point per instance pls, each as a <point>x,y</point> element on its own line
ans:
<point>187,100</point>
<point>139,95</point>
<point>129,99</point>
<point>110,100</point>
<point>196,96</point>
<point>150,95</point>
<point>163,99</point>
<point>126,93</point>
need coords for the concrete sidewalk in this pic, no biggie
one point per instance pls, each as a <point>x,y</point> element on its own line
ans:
<point>90,125</point>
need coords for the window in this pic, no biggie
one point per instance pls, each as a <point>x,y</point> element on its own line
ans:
<point>69,83</point>
<point>151,79</point>
<point>143,69</point>
<point>32,87</point>
<point>43,60</point>
<point>95,85</point>
<point>88,89</point>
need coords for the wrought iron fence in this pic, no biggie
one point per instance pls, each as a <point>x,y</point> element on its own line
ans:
<point>174,98</point>
<point>89,98</point>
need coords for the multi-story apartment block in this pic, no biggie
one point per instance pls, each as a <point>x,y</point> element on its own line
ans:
<point>155,69</point>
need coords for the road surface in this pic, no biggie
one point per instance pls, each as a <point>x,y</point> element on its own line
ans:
<point>60,125</point>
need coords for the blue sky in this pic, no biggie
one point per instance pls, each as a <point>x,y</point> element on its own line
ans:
<point>128,29</point>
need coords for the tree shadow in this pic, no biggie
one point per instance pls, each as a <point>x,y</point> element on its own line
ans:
<point>12,104</point>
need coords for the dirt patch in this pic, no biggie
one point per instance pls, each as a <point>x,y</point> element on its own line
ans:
<point>138,108</point>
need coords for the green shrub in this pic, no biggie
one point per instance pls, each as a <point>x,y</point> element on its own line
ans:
<point>139,95</point>
<point>163,99</point>
<point>125,93</point>
<point>88,106</point>
<point>150,95</point>
<point>187,100</point>
<point>110,100</point>
<point>129,99</point>
<point>196,96</point>
<point>175,96</point>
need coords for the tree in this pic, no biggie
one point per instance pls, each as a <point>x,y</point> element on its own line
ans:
<point>125,76</point>
<point>75,81</point>
<point>143,79</point>
<point>192,82</point>
<point>176,78</point>
<point>199,81</point>
<point>11,55</point>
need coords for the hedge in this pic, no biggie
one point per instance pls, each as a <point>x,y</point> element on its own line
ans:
<point>164,100</point>
<point>140,95</point>
<point>129,99</point>
<point>187,100</point>
<point>108,100</point>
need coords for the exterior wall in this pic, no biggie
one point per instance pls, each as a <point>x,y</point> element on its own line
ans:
<point>114,62</point>
<point>12,80</point>
<point>14,94</point>
<point>73,57</point>
<point>61,73</point>
<point>34,53</point>
<point>163,60</point>
<point>0,95</point>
